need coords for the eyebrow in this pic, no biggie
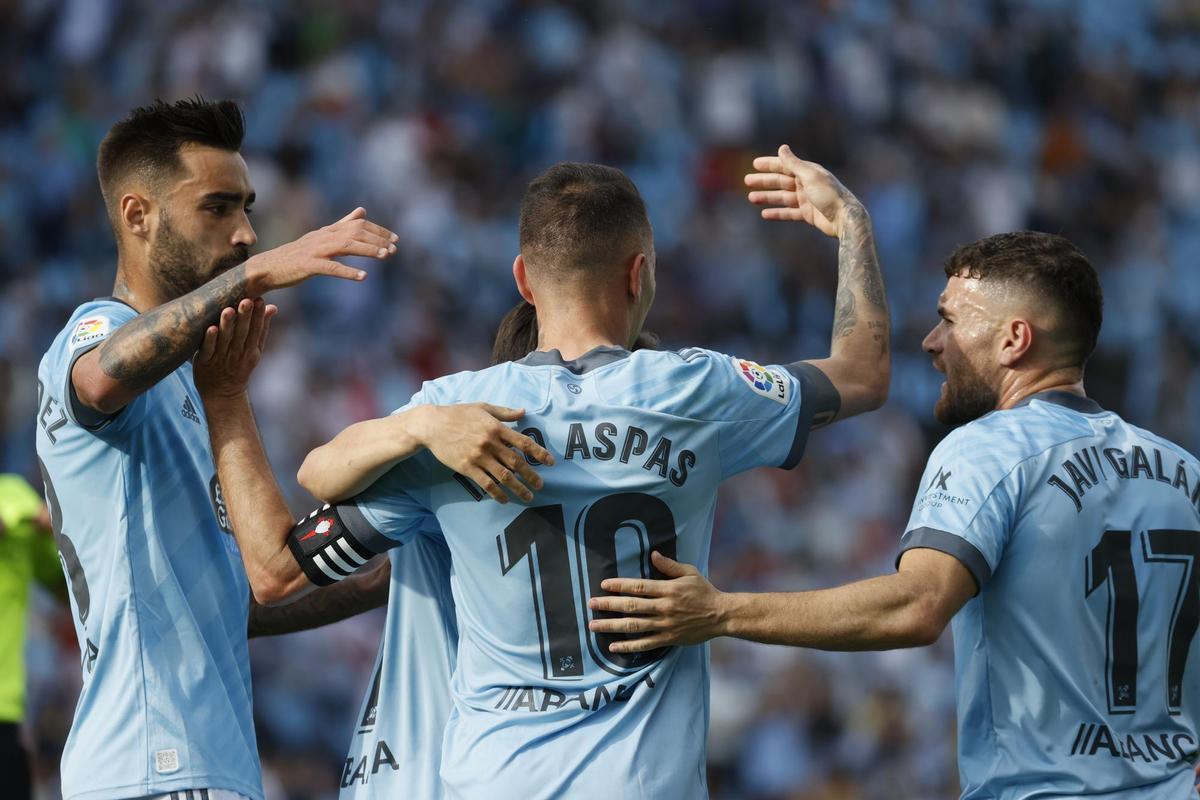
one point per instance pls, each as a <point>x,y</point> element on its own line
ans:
<point>229,197</point>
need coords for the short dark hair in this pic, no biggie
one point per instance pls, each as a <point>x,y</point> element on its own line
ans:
<point>147,142</point>
<point>517,335</point>
<point>580,218</point>
<point>1050,267</point>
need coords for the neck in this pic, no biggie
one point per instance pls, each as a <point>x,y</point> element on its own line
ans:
<point>574,330</point>
<point>1019,385</point>
<point>132,286</point>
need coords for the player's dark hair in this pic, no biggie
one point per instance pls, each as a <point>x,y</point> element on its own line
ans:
<point>148,141</point>
<point>517,335</point>
<point>1050,267</point>
<point>582,218</point>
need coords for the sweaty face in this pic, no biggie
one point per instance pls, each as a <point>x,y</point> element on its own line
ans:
<point>963,348</point>
<point>203,225</point>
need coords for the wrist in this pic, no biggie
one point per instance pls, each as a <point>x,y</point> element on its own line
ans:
<point>414,427</point>
<point>851,215</point>
<point>731,611</point>
<point>223,398</point>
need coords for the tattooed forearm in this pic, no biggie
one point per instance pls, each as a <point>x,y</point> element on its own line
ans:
<point>145,350</point>
<point>844,318</point>
<point>355,595</point>
<point>860,295</point>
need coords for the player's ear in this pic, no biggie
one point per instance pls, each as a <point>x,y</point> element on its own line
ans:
<point>135,215</point>
<point>636,266</point>
<point>522,279</point>
<point>1015,340</point>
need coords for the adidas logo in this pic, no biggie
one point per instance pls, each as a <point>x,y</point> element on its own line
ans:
<point>189,411</point>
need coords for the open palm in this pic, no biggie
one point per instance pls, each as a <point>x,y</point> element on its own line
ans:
<point>798,190</point>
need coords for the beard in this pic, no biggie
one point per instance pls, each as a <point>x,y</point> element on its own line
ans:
<point>968,396</point>
<point>180,266</point>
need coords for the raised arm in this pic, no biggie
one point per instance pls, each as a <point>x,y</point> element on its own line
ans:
<point>143,351</point>
<point>470,438</point>
<point>859,362</point>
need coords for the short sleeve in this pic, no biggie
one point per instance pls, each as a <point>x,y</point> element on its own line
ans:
<point>90,325</point>
<point>333,542</point>
<point>965,505</point>
<point>764,413</point>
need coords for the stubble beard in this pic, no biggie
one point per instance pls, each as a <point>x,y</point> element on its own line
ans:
<point>179,266</point>
<point>968,396</point>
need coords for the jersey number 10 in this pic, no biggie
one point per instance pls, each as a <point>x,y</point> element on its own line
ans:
<point>538,535</point>
<point>1111,560</point>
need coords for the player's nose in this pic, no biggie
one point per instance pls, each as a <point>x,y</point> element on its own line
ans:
<point>932,342</point>
<point>244,236</point>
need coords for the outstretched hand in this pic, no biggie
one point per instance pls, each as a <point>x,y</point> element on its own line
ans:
<point>685,609</point>
<point>232,349</point>
<point>313,253</point>
<point>794,189</point>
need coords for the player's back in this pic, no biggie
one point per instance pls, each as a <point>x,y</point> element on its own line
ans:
<point>1076,667</point>
<point>396,747</point>
<point>157,585</point>
<point>543,707</point>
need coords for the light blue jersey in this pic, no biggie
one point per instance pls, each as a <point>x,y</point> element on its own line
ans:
<point>1076,664</point>
<point>542,707</point>
<point>396,748</point>
<point>157,584</point>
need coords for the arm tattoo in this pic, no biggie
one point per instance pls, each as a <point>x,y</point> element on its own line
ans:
<point>844,318</point>
<point>858,274</point>
<point>353,596</point>
<point>147,349</point>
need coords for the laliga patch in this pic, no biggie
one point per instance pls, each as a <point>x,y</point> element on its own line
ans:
<point>88,331</point>
<point>768,382</point>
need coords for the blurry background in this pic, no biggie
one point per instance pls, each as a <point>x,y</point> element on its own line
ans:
<point>950,120</point>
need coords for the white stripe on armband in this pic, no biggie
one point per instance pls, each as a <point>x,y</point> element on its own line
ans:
<point>350,552</point>
<point>332,554</point>
<point>321,565</point>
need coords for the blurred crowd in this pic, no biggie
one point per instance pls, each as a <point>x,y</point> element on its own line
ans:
<point>950,120</point>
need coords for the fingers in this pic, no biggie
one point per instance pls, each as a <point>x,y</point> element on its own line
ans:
<point>670,567</point>
<point>208,346</point>
<point>771,164</point>
<point>358,213</point>
<point>335,270</point>
<point>241,328</point>
<point>641,645</point>
<point>268,314</point>
<point>258,319</point>
<point>504,413</point>
<point>225,324</point>
<point>359,245</point>
<point>770,180</point>
<point>775,198</point>
<point>527,446</point>
<point>635,586</point>
<point>622,604</point>
<point>488,484</point>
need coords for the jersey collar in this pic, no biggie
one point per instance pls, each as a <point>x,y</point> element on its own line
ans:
<point>593,359</point>
<point>1075,402</point>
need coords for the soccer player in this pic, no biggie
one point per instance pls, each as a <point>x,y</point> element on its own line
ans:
<point>158,590</point>
<point>397,742</point>
<point>1061,540</point>
<point>542,708</point>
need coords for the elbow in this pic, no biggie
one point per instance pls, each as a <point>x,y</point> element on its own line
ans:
<point>270,590</point>
<point>107,397</point>
<point>922,627</point>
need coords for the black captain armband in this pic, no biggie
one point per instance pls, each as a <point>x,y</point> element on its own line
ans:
<point>333,542</point>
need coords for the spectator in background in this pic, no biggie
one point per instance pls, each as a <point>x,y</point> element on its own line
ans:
<point>27,555</point>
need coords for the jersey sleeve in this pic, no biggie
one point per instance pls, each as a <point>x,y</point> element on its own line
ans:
<point>333,542</point>
<point>91,324</point>
<point>965,505</point>
<point>764,413</point>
